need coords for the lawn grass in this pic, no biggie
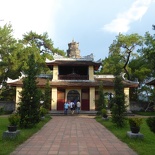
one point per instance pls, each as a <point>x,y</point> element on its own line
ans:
<point>144,146</point>
<point>7,146</point>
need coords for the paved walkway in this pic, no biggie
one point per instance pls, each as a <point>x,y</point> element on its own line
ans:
<point>73,135</point>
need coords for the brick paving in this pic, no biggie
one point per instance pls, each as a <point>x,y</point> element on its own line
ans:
<point>73,135</point>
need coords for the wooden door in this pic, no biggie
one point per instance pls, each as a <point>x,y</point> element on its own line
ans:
<point>60,99</point>
<point>85,100</point>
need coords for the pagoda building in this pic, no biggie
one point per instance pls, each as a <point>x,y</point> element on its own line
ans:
<point>73,78</point>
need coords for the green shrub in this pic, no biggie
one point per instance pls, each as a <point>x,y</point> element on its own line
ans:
<point>43,111</point>
<point>119,107</point>
<point>135,122</point>
<point>1,110</point>
<point>14,119</point>
<point>151,123</point>
<point>104,112</point>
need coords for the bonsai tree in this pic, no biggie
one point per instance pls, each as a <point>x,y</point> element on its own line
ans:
<point>104,113</point>
<point>43,111</point>
<point>135,124</point>
<point>14,120</point>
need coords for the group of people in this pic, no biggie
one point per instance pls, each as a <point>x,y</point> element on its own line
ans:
<point>72,106</point>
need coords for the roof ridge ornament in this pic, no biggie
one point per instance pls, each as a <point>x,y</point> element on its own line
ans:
<point>89,57</point>
<point>57,56</point>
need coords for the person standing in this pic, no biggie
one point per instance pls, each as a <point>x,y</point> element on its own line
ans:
<point>66,105</point>
<point>78,104</point>
<point>72,106</point>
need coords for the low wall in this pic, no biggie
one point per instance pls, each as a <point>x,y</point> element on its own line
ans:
<point>7,105</point>
<point>134,106</point>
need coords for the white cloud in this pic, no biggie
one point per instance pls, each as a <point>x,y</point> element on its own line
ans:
<point>27,15</point>
<point>123,20</point>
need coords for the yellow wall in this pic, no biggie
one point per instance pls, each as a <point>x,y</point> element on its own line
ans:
<point>54,99</point>
<point>126,92</point>
<point>109,90</point>
<point>91,73</point>
<point>55,72</point>
<point>92,98</point>
<point>18,90</point>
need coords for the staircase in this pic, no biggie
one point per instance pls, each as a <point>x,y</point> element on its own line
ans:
<point>61,113</point>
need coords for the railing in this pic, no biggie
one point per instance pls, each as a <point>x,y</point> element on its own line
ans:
<point>73,77</point>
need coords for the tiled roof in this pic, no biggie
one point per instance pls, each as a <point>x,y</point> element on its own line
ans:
<point>73,63</point>
<point>107,82</point>
<point>151,82</point>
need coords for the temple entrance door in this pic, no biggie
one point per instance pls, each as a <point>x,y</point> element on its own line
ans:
<point>60,99</point>
<point>85,99</point>
<point>73,95</point>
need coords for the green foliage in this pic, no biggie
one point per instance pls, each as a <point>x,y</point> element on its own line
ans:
<point>100,102</point>
<point>7,93</point>
<point>140,69</point>
<point>119,107</point>
<point>151,123</point>
<point>14,119</point>
<point>8,146</point>
<point>123,47</point>
<point>47,96</point>
<point>1,110</point>
<point>43,111</point>
<point>104,112</point>
<point>148,51</point>
<point>141,146</point>
<point>135,122</point>
<point>111,64</point>
<point>8,48</point>
<point>30,97</point>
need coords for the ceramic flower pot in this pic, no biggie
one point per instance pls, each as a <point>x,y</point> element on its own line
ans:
<point>135,129</point>
<point>12,128</point>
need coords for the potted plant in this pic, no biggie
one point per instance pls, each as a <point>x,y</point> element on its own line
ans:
<point>104,113</point>
<point>135,124</point>
<point>14,121</point>
<point>43,111</point>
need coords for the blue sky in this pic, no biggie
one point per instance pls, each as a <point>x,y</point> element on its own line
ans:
<point>92,23</point>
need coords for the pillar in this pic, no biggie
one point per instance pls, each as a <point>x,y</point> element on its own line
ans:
<point>92,98</point>
<point>54,99</point>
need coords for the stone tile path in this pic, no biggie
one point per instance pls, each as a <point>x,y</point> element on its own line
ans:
<point>73,135</point>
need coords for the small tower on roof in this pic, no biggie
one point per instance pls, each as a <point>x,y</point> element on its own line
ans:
<point>73,50</point>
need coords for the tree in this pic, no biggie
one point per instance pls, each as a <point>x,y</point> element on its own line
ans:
<point>119,107</point>
<point>124,47</point>
<point>47,96</point>
<point>140,69</point>
<point>30,96</point>
<point>42,48</point>
<point>149,51</point>
<point>8,49</point>
<point>111,64</point>
<point>100,102</point>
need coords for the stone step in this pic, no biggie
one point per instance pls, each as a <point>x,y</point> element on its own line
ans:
<point>59,113</point>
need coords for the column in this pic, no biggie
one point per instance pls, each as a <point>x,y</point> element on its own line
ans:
<point>127,103</point>
<point>91,73</point>
<point>55,72</point>
<point>18,96</point>
<point>92,98</point>
<point>54,99</point>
